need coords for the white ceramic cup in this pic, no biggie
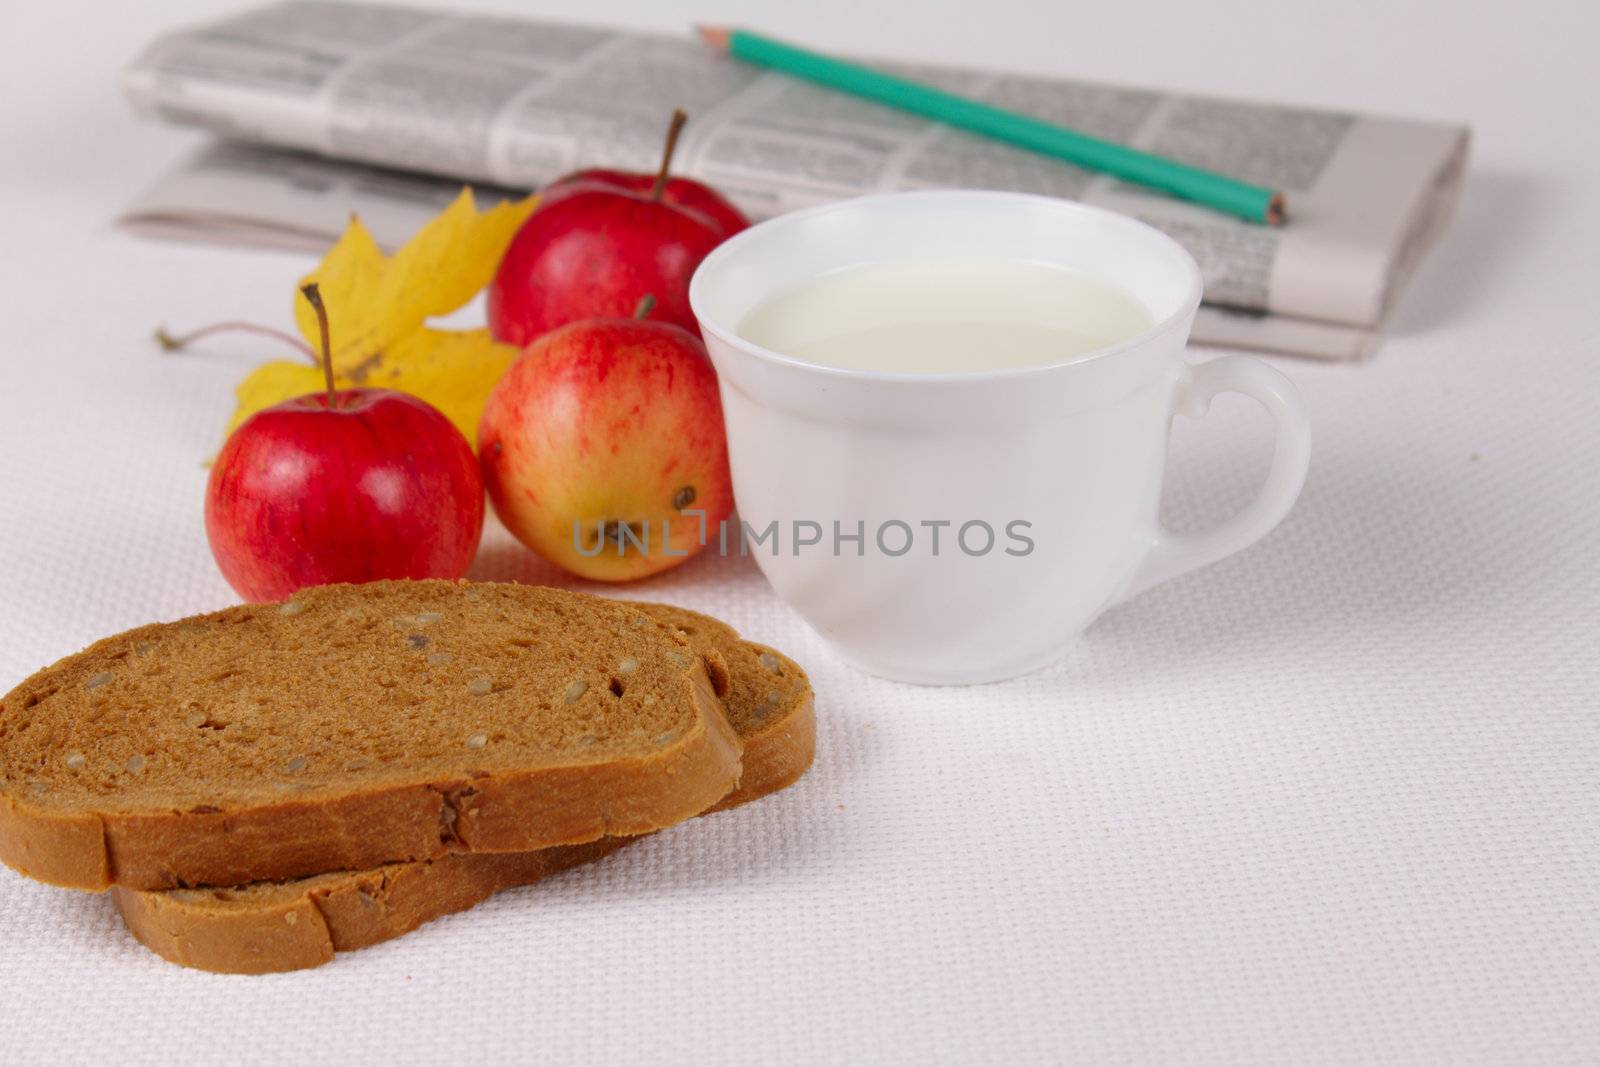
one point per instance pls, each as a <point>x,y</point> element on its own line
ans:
<point>1074,449</point>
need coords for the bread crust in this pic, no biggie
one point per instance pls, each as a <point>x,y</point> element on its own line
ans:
<point>338,913</point>
<point>781,751</point>
<point>306,923</point>
<point>515,811</point>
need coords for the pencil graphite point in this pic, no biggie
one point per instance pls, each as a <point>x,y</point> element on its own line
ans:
<point>715,36</point>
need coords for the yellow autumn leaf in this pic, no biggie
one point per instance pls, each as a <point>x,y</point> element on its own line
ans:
<point>378,307</point>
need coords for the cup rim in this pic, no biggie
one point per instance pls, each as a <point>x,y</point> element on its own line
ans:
<point>736,244</point>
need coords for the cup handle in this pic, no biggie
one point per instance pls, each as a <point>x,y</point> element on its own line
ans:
<point>1172,554</point>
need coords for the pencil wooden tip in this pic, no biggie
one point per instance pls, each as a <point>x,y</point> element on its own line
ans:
<point>715,36</point>
<point>1277,210</point>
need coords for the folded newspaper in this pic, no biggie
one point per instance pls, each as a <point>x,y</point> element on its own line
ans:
<point>328,108</point>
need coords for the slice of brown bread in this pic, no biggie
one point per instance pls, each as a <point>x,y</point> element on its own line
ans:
<point>284,926</point>
<point>354,726</point>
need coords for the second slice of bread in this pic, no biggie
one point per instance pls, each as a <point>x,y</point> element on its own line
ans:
<point>354,726</point>
<point>283,926</point>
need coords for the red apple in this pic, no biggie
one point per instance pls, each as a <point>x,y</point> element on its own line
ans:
<point>601,440</point>
<point>686,193</point>
<point>350,485</point>
<point>603,240</point>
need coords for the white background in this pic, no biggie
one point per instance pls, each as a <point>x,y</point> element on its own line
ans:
<point>1335,800</point>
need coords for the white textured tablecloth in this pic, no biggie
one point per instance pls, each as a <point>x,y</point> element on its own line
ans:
<point>1335,800</point>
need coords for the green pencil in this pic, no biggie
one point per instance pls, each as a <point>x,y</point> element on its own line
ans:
<point>1256,203</point>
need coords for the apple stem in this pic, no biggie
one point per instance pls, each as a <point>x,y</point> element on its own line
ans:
<point>679,117</point>
<point>647,304</point>
<point>176,343</point>
<point>313,297</point>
